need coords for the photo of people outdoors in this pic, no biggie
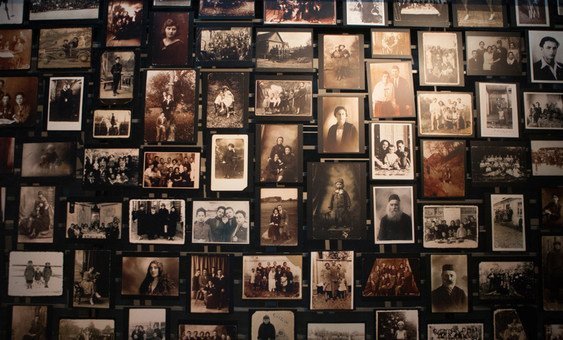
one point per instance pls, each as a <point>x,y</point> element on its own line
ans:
<point>124,23</point>
<point>284,98</point>
<point>210,290</point>
<point>150,276</point>
<point>91,286</point>
<point>543,110</point>
<point>547,157</point>
<point>396,324</point>
<point>494,53</point>
<point>18,105</point>
<point>35,273</point>
<point>218,45</point>
<point>284,49</point>
<point>111,124</point>
<point>157,221</point>
<point>117,75</point>
<point>532,13</point>
<point>15,53</point>
<point>65,47</point>
<point>479,13</point>
<point>146,323</point>
<point>280,152</point>
<point>440,58</point>
<point>341,62</point>
<point>386,43</point>
<point>440,331</point>
<point>421,13</point>
<point>391,277</point>
<point>392,151</point>
<point>498,163</point>
<point>221,222</point>
<point>272,277</point>
<point>14,13</point>
<point>93,220</point>
<point>390,89</point>
<point>111,167</point>
<point>226,99</point>
<point>320,331</point>
<point>48,159</point>
<point>443,163</point>
<point>229,162</point>
<point>171,170</point>
<point>272,324</point>
<point>36,214</point>
<point>508,222</point>
<point>86,328</point>
<point>450,226</point>
<point>498,107</point>
<point>291,12</point>
<point>29,322</point>
<point>64,111</point>
<point>332,280</point>
<point>55,10</point>
<point>226,8</point>
<point>190,331</point>
<point>445,114</point>
<point>507,280</point>
<point>279,216</point>
<point>507,324</point>
<point>365,12</point>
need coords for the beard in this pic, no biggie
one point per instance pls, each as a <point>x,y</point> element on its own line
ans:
<point>394,216</point>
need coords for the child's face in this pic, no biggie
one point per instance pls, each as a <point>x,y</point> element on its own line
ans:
<point>338,185</point>
<point>391,149</point>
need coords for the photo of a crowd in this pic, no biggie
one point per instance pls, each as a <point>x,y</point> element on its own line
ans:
<point>507,280</point>
<point>171,170</point>
<point>547,157</point>
<point>227,45</point>
<point>56,10</point>
<point>450,226</point>
<point>332,280</point>
<point>157,221</point>
<point>210,287</point>
<point>113,167</point>
<point>221,222</point>
<point>300,12</point>
<point>322,331</point>
<point>93,220</point>
<point>543,110</point>
<point>440,59</point>
<point>193,331</point>
<point>445,114</point>
<point>497,54</point>
<point>461,331</point>
<point>433,13</point>
<point>396,324</point>
<point>124,23</point>
<point>493,163</point>
<point>272,277</point>
<point>392,277</point>
<point>15,49</point>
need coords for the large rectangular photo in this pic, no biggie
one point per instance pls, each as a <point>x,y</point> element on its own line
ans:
<point>18,104</point>
<point>498,109</point>
<point>87,220</point>
<point>272,277</point>
<point>543,110</point>
<point>157,221</point>
<point>171,169</point>
<point>443,164</point>
<point>111,167</point>
<point>497,53</point>
<point>220,222</point>
<point>284,98</point>
<point>332,280</point>
<point>211,282</point>
<point>279,151</point>
<point>445,114</point>
<point>341,61</point>
<point>450,226</point>
<point>150,276</point>
<point>441,62</point>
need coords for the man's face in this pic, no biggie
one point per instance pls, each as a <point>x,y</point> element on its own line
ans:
<point>266,321</point>
<point>481,45</point>
<point>338,185</point>
<point>340,116</point>
<point>220,212</point>
<point>230,213</point>
<point>240,219</point>
<point>280,141</point>
<point>555,198</point>
<point>200,216</point>
<point>449,278</point>
<point>474,54</point>
<point>395,72</point>
<point>549,51</point>
<point>394,207</point>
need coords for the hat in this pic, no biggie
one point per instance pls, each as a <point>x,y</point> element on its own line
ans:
<point>47,264</point>
<point>28,262</point>
<point>340,180</point>
<point>266,317</point>
<point>447,267</point>
<point>394,197</point>
<point>401,323</point>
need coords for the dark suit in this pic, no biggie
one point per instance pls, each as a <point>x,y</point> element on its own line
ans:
<point>116,73</point>
<point>443,301</point>
<point>473,64</point>
<point>545,73</point>
<point>348,142</point>
<point>402,94</point>
<point>399,230</point>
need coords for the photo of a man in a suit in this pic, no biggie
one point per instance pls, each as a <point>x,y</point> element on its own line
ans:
<point>548,68</point>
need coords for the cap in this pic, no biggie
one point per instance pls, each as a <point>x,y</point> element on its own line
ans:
<point>394,197</point>
<point>266,317</point>
<point>447,267</point>
<point>340,180</point>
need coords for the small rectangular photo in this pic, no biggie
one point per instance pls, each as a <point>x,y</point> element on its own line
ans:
<point>16,48</point>
<point>279,153</point>
<point>92,279</point>
<point>225,100</point>
<point>284,98</point>
<point>171,37</point>
<point>542,110</point>
<point>71,10</point>
<point>109,124</point>
<point>215,45</point>
<point>111,167</point>
<point>157,221</point>
<point>507,321</point>
<point>211,282</point>
<point>544,64</point>
<point>341,124</point>
<point>7,150</point>
<point>441,59</point>
<point>14,14</point>
<point>18,105</point>
<point>171,169</point>
<point>498,53</point>
<point>439,331</point>
<point>532,13</point>
<point>143,321</point>
<point>272,324</point>
<point>284,49</point>
<point>507,280</point>
<point>272,277</point>
<point>48,159</point>
<point>443,164</point>
<point>508,222</point>
<point>211,330</point>
<point>551,207</point>
<point>445,114</point>
<point>547,157</point>
<point>332,280</point>
<point>391,277</point>
<point>553,331</point>
<point>450,226</point>
<point>391,43</point>
<point>125,23</point>
<point>280,215</point>
<point>365,12</point>
<point>396,323</point>
<point>100,220</point>
<point>171,3</point>
<point>64,109</point>
<point>221,222</point>
<point>65,48</point>
<point>86,328</point>
<point>229,162</point>
<point>552,291</point>
<point>449,283</point>
<point>341,61</point>
<point>393,214</point>
<point>321,12</point>
<point>30,321</point>
<point>223,9</point>
<point>36,214</point>
<point>419,13</point>
<point>117,77</point>
<point>498,109</point>
<point>150,276</point>
<point>35,273</point>
<point>392,151</point>
<point>498,162</point>
<point>479,13</point>
<point>390,88</point>
<point>320,331</point>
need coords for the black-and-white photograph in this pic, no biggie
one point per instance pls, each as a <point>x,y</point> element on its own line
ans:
<point>498,53</point>
<point>421,13</point>
<point>146,323</point>
<point>221,222</point>
<point>396,324</point>
<point>507,324</point>
<point>171,3</point>
<point>65,47</point>
<point>543,110</point>
<point>48,159</point>
<point>498,162</point>
<point>224,45</point>
<point>340,330</point>
<point>341,61</point>
<point>545,65</point>
<point>16,49</point>
<point>332,280</point>
<point>211,281</point>
<point>284,48</point>
<point>111,167</point>
<point>341,124</point>
<point>229,162</point>
<point>86,329</point>
<point>551,213</point>
<point>157,221</point>
<point>124,23</point>
<point>365,12</point>
<point>553,331</point>
<point>18,105</point>
<point>299,12</point>
<point>552,255</point>
<point>171,170</point>
<point>55,10</point>
<point>449,283</point>
<point>150,276</point>
<point>64,110</point>
<point>117,76</point>
<point>441,60</point>
<point>532,13</point>
<point>91,281</point>
<point>272,277</point>
<point>393,214</point>
<point>450,226</point>
<point>36,214</point>
<point>237,9</point>
<point>391,43</point>
<point>279,150</point>
<point>29,322</point>
<point>111,124</point>
<point>504,280</point>
<point>547,157</point>
<point>93,220</point>
<point>279,216</point>
<point>7,153</point>
<point>508,222</point>
<point>272,324</point>
<point>35,273</point>
<point>443,164</point>
<point>13,14</point>
<point>391,93</point>
<point>391,277</point>
<point>208,330</point>
<point>171,38</point>
<point>479,13</point>
<point>498,109</point>
<point>392,151</point>
<point>440,331</point>
<point>445,114</point>
<point>225,99</point>
<point>284,98</point>
<point>336,200</point>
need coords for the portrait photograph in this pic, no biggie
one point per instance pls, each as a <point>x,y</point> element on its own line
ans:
<point>508,232</point>
<point>336,208</point>
<point>229,162</point>
<point>64,109</point>
<point>150,276</point>
<point>70,10</point>
<point>284,98</point>
<point>494,54</point>
<point>218,330</point>
<point>117,77</point>
<point>551,213</point>
<point>438,331</point>
<point>14,14</point>
<point>553,331</point>
<point>479,13</point>
<point>111,167</point>
<point>239,9</point>
<point>91,279</point>
<point>279,216</point>
<point>390,88</point>
<point>211,282</point>
<point>532,13</point>
<point>391,277</point>
<point>443,164</point>
<point>171,169</point>
<point>35,273</point>
<point>498,162</point>
<point>421,13</point>
<point>272,324</point>
<point>171,37</point>
<point>284,49</point>
<point>396,323</point>
<point>449,283</point>
<point>16,49</point>
<point>18,105</point>
<point>101,220</point>
<point>220,222</point>
<point>29,322</point>
<point>86,328</point>
<point>507,280</point>
<point>552,274</point>
<point>109,124</point>
<point>393,214</point>
<point>157,221</point>
<point>498,109</point>
<point>450,226</point>
<point>48,159</point>
<point>319,331</point>
<point>279,149</point>
<point>507,323</point>
<point>547,157</point>
<point>441,59</point>
<point>171,3</point>
<point>7,149</point>
<point>36,214</point>
<point>224,46</point>
<point>125,23</point>
<point>171,106</point>
<point>272,277</point>
<point>365,12</point>
<point>300,12</point>
<point>391,43</point>
<point>392,151</point>
<point>341,124</point>
<point>543,110</point>
<point>445,114</point>
<point>146,323</point>
<point>225,100</point>
<point>65,47</point>
<point>341,61</point>
<point>545,65</point>
<point>332,280</point>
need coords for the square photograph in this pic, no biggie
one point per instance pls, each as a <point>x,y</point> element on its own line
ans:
<point>552,291</point>
<point>224,46</point>
<point>220,222</point>
<point>150,276</point>
<point>547,157</point>
<point>272,324</point>
<point>544,64</point>
<point>193,330</point>
<point>146,322</point>
<point>391,43</point>
<point>506,280</point>
<point>441,61</point>
<point>442,114</point>
<point>284,98</point>
<point>551,207</point>
<point>14,13</point>
<point>16,49</point>
<point>479,13</point>
<point>365,12</point>
<point>319,331</point>
<point>543,110</point>
<point>391,155</point>
<point>272,277</point>
<point>508,222</point>
<point>279,216</point>
<point>496,162</point>
<point>507,321</point>
<point>532,14</point>
<point>111,167</point>
<point>211,282</point>
<point>7,149</point>
<point>420,13</point>
<point>109,124</point>
<point>77,328</point>
<point>301,12</point>
<point>65,47</point>
<point>450,226</point>
<point>396,323</point>
<point>48,159</point>
<point>498,109</point>
<point>225,103</point>
<point>438,331</point>
<point>171,37</point>
<point>124,23</point>
<point>341,61</point>
<point>157,221</point>
<point>53,10</point>
<point>449,283</point>
<point>99,220</point>
<point>91,279</point>
<point>171,169</point>
<point>390,88</point>
<point>341,124</point>
<point>391,277</point>
<point>279,149</point>
<point>35,273</point>
<point>239,9</point>
<point>18,105</point>
<point>332,280</point>
<point>229,162</point>
<point>29,321</point>
<point>498,53</point>
<point>36,214</point>
<point>443,163</point>
<point>64,109</point>
<point>284,49</point>
<point>393,214</point>
<point>117,77</point>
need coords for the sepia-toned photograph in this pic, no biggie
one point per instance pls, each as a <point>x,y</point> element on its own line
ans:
<point>117,76</point>
<point>443,168</point>
<point>443,114</point>
<point>450,226</point>
<point>547,157</point>
<point>157,221</point>
<point>93,220</point>
<point>504,280</point>
<point>272,324</point>
<point>91,281</point>
<point>449,283</point>
<point>225,99</point>
<point>391,43</point>
<point>421,13</point>
<point>171,3</point>
<point>35,273</point>
<point>18,105</point>
<point>30,322</point>
<point>171,169</point>
<point>150,276</point>
<point>392,150</point>
<point>284,49</point>
<point>543,110</point>
<point>64,110</point>
<point>272,277</point>
<point>508,222</point>
<point>365,12</point>
<point>300,12</point>
<point>55,10</point>
<point>229,162</point>
<point>439,331</point>
<point>208,330</point>
<point>507,324</point>
<point>341,124</point>
<point>171,106</point>
<point>498,109</point>
<point>393,214</point>
<point>341,61</point>
<point>320,331</point>
<point>86,329</point>
<point>108,124</point>
<point>279,151</point>
<point>7,149</point>
<point>498,53</point>
<point>390,85</point>
<point>226,46</point>
<point>16,49</point>
<point>279,216</point>
<point>336,208</point>
<point>551,256</point>
<point>479,13</point>
<point>171,38</point>
<point>545,65</point>
<point>48,159</point>
<point>237,9</point>
<point>13,14</point>
<point>36,214</point>
<point>284,98</point>
<point>332,280</point>
<point>65,47</point>
<point>396,324</point>
<point>211,281</point>
<point>391,277</point>
<point>221,222</point>
<point>111,167</point>
<point>146,323</point>
<point>498,162</point>
<point>124,23</point>
<point>551,213</point>
<point>532,13</point>
<point>553,331</point>
<point>441,60</point>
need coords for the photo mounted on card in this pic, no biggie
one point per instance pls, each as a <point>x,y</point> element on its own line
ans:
<point>336,201</point>
<point>272,277</point>
<point>284,98</point>
<point>225,100</point>
<point>211,282</point>
<point>111,167</point>
<point>551,208</point>
<point>507,321</point>
<point>30,320</point>
<point>35,273</point>
<point>71,10</point>
<point>365,13</point>
<point>93,220</point>
<point>110,124</point>
<point>551,280</point>
<point>390,87</point>
<point>498,53</point>
<point>229,162</point>
<point>171,37</point>
<point>542,110</point>
<point>279,151</point>
<point>64,110</point>
<point>48,159</point>
<point>224,9</point>
<point>221,222</point>
<point>7,148</point>
<point>16,49</point>
<point>391,43</point>
<point>392,151</point>
<point>449,283</point>
<point>65,48</point>
<point>396,323</point>
<point>341,61</point>
<point>18,105</point>
<point>445,114</point>
<point>12,15</point>
<point>450,226</point>
<point>508,222</point>
<point>443,168</point>
<point>534,14</point>
<point>117,77</point>
<point>171,169</point>
<point>280,216</point>
<point>150,276</point>
<point>547,157</point>
<point>171,106</point>
<point>272,324</point>
<point>552,331</point>
<point>499,163</point>
<point>319,331</point>
<point>507,280</point>
<point>479,13</point>
<point>498,109</point>
<point>419,13</point>
<point>36,214</point>
<point>125,23</point>
<point>143,321</point>
<point>279,49</point>
<point>341,124</point>
<point>545,65</point>
<point>157,221</point>
<point>391,277</point>
<point>91,279</point>
<point>393,214</point>
<point>321,12</point>
<point>171,3</point>
<point>457,330</point>
<point>441,58</point>
<point>83,328</point>
<point>219,329</point>
<point>224,45</point>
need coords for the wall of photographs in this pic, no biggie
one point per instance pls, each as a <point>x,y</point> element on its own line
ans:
<point>281,169</point>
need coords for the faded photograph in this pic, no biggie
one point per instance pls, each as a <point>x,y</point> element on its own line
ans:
<point>341,124</point>
<point>170,37</point>
<point>222,45</point>
<point>36,214</point>
<point>64,111</point>
<point>229,162</point>
<point>421,13</point>
<point>192,330</point>
<point>226,8</point>
<point>532,13</point>
<point>272,277</point>
<point>272,324</point>
<point>391,277</point>
<point>449,283</point>
<point>91,280</point>
<point>443,163</point>
<point>16,48</point>
<point>35,273</point>
<point>93,220</point>
<point>445,114</point>
<point>124,23</point>
<point>171,170</point>
<point>396,324</point>
<point>48,159</point>
<point>86,328</point>
<point>280,152</point>
<point>146,323</point>
<point>111,124</point>
<point>210,290</point>
<point>387,43</point>
<point>55,10</point>
<point>284,98</point>
<point>508,222</point>
<point>117,76</point>
<point>221,222</point>
<point>341,61</point>
<point>392,150</point>
<point>150,276</point>
<point>391,93</point>
<point>440,331</point>
<point>113,167</point>
<point>365,12</point>
<point>332,280</point>
<point>507,324</point>
<point>478,13</point>
<point>284,49</point>
<point>543,110</point>
<point>498,163</point>
<point>547,157</point>
<point>450,226</point>
<point>226,101</point>
<point>295,12</point>
<point>12,14</point>
<point>65,47</point>
<point>29,322</point>
<point>440,58</point>
<point>279,216</point>
<point>551,207</point>
<point>496,53</point>
<point>157,221</point>
<point>507,280</point>
<point>552,257</point>
<point>352,331</point>
<point>18,105</point>
<point>393,214</point>
<point>498,108</point>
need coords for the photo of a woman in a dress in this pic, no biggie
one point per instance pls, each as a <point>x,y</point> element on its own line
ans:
<point>156,281</point>
<point>171,49</point>
<point>275,222</point>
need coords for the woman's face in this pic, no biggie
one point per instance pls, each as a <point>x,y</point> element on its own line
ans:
<point>341,116</point>
<point>5,100</point>
<point>170,31</point>
<point>153,270</point>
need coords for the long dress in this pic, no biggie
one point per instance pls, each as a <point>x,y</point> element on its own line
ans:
<point>271,280</point>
